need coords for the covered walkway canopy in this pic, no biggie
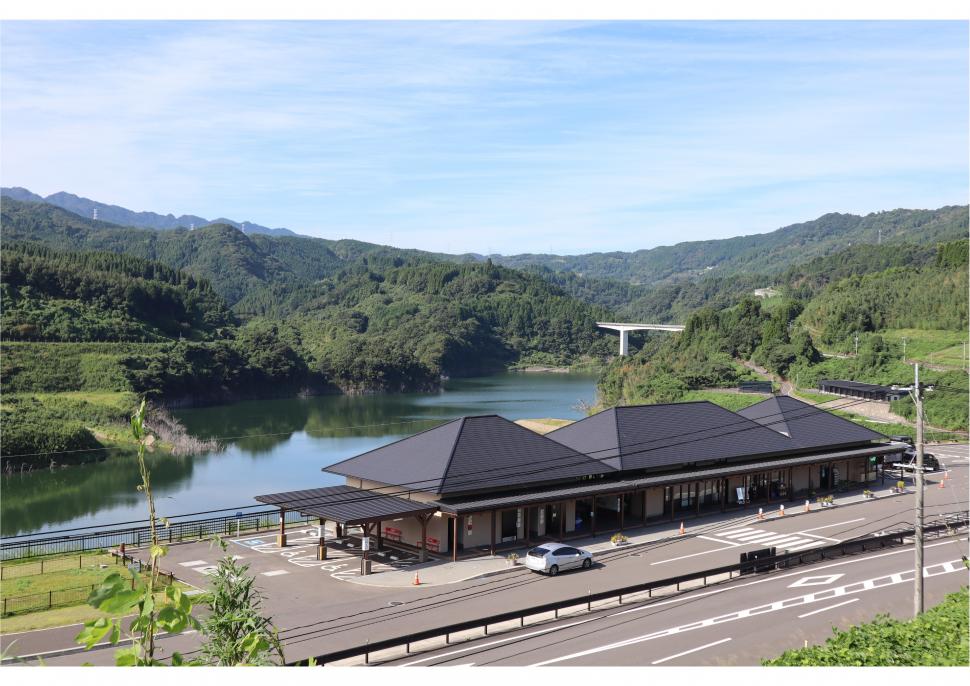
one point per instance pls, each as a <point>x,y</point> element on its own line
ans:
<point>347,505</point>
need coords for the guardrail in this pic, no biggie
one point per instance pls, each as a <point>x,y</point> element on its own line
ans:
<point>175,532</point>
<point>784,561</point>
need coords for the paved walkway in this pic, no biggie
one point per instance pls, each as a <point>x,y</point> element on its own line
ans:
<point>438,573</point>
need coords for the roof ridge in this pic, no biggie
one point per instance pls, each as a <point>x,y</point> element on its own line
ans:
<point>387,445</point>
<point>451,456</point>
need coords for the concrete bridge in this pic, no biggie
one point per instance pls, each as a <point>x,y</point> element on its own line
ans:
<point>625,330</point>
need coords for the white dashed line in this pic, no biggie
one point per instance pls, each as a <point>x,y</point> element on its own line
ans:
<point>830,607</point>
<point>275,572</point>
<point>193,563</point>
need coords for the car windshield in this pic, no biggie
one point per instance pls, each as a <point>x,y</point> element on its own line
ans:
<point>538,552</point>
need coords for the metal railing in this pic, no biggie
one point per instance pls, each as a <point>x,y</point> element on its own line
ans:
<point>175,532</point>
<point>783,561</point>
<point>77,595</point>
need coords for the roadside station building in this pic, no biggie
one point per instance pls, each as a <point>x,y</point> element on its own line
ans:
<point>477,484</point>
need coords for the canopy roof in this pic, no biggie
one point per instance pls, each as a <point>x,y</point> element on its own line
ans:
<point>346,504</point>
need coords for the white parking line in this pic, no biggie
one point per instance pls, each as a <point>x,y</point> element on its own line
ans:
<point>275,572</point>
<point>193,563</point>
<point>688,652</point>
<point>830,607</point>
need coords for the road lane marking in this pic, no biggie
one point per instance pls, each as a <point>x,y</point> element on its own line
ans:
<point>193,563</point>
<point>830,607</point>
<point>735,531</point>
<point>718,540</point>
<point>688,652</point>
<point>816,580</point>
<point>805,546</point>
<point>742,614</point>
<point>824,538</point>
<point>829,526</point>
<point>478,646</point>
<point>684,557</point>
<point>275,572</point>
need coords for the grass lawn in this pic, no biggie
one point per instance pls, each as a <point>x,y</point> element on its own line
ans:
<point>934,346</point>
<point>20,581</point>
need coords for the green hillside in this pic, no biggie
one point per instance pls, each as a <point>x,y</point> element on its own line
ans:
<point>760,253</point>
<point>921,298</point>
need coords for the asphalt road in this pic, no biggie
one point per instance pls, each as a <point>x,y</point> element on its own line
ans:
<point>736,623</point>
<point>318,612</point>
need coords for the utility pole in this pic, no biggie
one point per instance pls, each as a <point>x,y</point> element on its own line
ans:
<point>917,393</point>
<point>904,348</point>
<point>857,344</point>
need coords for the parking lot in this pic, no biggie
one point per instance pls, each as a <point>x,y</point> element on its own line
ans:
<point>290,574</point>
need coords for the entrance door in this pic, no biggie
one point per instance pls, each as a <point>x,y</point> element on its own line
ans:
<point>823,477</point>
<point>552,520</point>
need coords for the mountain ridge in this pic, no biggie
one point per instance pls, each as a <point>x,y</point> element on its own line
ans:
<point>122,216</point>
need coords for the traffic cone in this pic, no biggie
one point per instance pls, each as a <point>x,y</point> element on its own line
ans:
<point>807,507</point>
<point>417,580</point>
<point>781,511</point>
<point>943,484</point>
<point>681,528</point>
<point>761,513</point>
<point>946,475</point>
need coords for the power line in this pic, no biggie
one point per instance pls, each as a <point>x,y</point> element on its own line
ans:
<point>381,491</point>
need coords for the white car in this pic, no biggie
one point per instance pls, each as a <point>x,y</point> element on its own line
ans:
<point>553,558</point>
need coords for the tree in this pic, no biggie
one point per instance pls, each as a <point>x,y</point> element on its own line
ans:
<point>235,631</point>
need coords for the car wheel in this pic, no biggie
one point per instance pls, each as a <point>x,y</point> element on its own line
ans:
<point>554,570</point>
<point>587,563</point>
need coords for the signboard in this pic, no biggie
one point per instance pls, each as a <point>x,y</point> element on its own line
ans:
<point>740,490</point>
<point>365,543</point>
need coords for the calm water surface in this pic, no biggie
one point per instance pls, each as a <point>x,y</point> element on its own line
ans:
<point>272,446</point>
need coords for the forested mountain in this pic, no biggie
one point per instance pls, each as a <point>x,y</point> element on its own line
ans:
<point>235,264</point>
<point>125,217</point>
<point>51,295</point>
<point>835,298</point>
<point>760,253</point>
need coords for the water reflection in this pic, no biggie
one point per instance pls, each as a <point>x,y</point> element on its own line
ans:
<point>273,445</point>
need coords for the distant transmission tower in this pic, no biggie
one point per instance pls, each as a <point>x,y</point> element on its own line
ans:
<point>192,226</point>
<point>94,214</point>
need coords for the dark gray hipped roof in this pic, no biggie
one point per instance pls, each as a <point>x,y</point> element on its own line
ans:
<point>807,425</point>
<point>650,436</point>
<point>346,505</point>
<point>609,487</point>
<point>470,454</point>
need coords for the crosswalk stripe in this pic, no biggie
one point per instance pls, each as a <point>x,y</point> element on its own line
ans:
<point>745,534</point>
<point>736,531</point>
<point>806,546</point>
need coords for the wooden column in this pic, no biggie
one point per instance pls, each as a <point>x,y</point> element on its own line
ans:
<point>644,518</point>
<point>424,519</point>
<point>527,516</point>
<point>791,484</point>
<point>281,538</point>
<point>491,546</point>
<point>672,501</point>
<point>592,515</point>
<point>619,499</point>
<point>322,544</point>
<point>562,520</point>
<point>697,498</point>
<point>724,489</point>
<point>380,536</point>
<point>454,539</point>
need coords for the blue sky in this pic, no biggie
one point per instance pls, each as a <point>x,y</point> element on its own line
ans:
<point>491,136</point>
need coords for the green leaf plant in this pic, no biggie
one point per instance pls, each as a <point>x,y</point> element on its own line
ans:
<point>117,597</point>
